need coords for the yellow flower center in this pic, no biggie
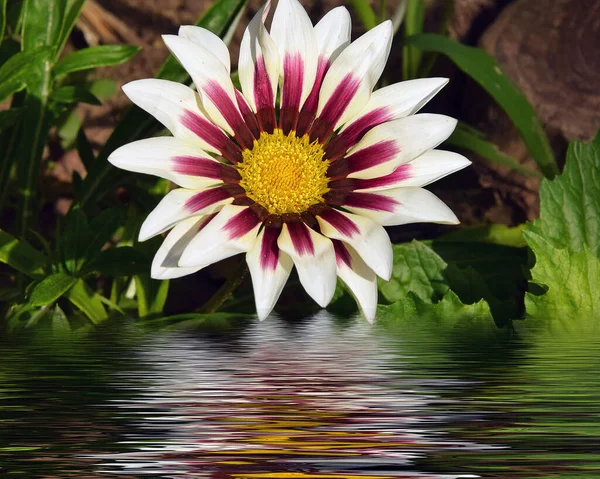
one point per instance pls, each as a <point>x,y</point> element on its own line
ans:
<point>283,173</point>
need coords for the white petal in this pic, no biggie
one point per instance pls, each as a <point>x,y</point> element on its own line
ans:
<point>368,238</point>
<point>361,280</point>
<point>211,79</point>
<point>393,102</point>
<point>258,49</point>
<point>427,168</point>
<point>294,35</point>
<point>412,205</point>
<point>168,102</point>
<point>160,157</point>
<point>410,137</point>
<point>178,205</point>
<point>333,33</point>
<point>207,40</point>
<point>165,264</point>
<point>222,238</point>
<point>360,63</point>
<point>314,258</point>
<point>270,269</point>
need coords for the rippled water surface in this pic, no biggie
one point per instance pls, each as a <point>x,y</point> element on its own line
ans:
<point>316,398</point>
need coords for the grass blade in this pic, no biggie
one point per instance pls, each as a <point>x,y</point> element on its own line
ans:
<point>365,13</point>
<point>21,256</point>
<point>467,138</point>
<point>95,57</point>
<point>484,70</point>
<point>413,25</point>
<point>88,301</point>
<point>137,123</point>
<point>2,18</point>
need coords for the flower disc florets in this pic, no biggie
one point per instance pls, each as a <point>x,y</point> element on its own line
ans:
<point>283,173</point>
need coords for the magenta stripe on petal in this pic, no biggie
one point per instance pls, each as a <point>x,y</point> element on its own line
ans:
<point>247,114</point>
<point>194,166</point>
<point>293,79</point>
<point>219,97</point>
<point>342,255</point>
<point>399,174</point>
<point>269,251</point>
<point>264,96</point>
<point>240,224</point>
<point>301,239</point>
<point>307,115</point>
<point>206,198</point>
<point>357,129</point>
<point>340,222</point>
<point>370,201</point>
<point>371,156</point>
<point>334,108</point>
<point>212,135</point>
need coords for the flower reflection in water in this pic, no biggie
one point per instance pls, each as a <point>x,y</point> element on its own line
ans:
<point>308,400</point>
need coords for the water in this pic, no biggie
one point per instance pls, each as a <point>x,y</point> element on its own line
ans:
<point>316,398</point>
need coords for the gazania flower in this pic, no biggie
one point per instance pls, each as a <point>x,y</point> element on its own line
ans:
<point>303,167</point>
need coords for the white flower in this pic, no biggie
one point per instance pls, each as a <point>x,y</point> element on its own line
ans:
<point>308,181</point>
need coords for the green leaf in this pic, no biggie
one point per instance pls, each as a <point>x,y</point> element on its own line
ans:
<point>42,21</point>
<point>74,94</point>
<point>20,256</point>
<point>565,241</point>
<point>472,270</point>
<point>448,313</point>
<point>485,71</point>
<point>464,137</point>
<point>2,19</point>
<point>151,294</point>
<point>95,57</point>
<point>413,25</point>
<point>86,153</point>
<point>73,8</point>
<point>75,240</point>
<point>138,124</point>
<point>495,234</point>
<point>365,13</point>
<point>89,302</point>
<point>50,289</point>
<point>207,322</point>
<point>9,118</point>
<point>572,280</point>
<point>21,70</point>
<point>570,205</point>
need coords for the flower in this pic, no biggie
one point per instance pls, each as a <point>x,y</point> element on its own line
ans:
<point>307,178</point>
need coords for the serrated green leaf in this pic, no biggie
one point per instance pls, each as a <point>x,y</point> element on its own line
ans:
<point>89,302</point>
<point>473,271</point>
<point>74,94</point>
<point>449,311</point>
<point>20,256</point>
<point>572,280</point>
<point>50,289</point>
<point>570,204</point>
<point>484,70</point>
<point>95,57</point>
<point>20,70</point>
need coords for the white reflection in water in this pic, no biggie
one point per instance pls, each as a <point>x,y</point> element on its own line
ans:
<point>314,400</point>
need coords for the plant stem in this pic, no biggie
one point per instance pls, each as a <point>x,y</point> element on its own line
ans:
<point>225,291</point>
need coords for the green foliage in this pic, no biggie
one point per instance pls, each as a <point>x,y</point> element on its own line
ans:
<point>468,138</point>
<point>95,57</point>
<point>20,256</point>
<point>20,70</point>
<point>473,271</point>
<point>75,94</point>
<point>565,241</point>
<point>484,70</point>
<point>413,25</point>
<point>365,13</point>
<point>50,289</point>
